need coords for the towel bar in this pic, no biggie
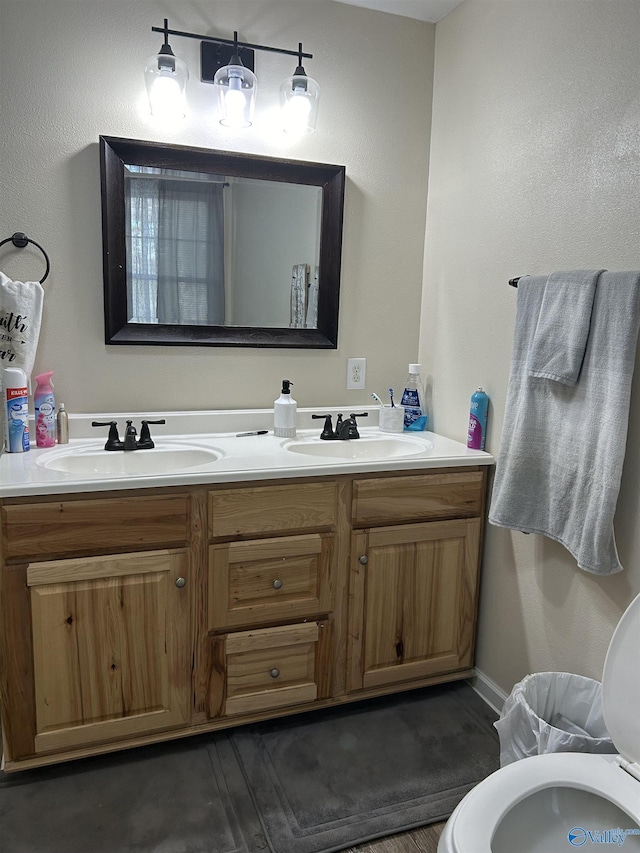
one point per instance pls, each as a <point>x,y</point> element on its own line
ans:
<point>20,240</point>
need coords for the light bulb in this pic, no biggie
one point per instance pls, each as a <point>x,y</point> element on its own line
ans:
<point>166,98</point>
<point>235,104</point>
<point>236,88</point>
<point>299,97</point>
<point>166,77</point>
<point>296,113</point>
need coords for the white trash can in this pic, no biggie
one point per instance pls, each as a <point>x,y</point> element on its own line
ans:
<point>552,712</point>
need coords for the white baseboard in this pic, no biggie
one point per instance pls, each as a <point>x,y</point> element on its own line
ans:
<point>488,690</point>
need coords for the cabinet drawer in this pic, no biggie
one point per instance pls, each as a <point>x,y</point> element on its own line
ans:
<point>271,668</point>
<point>430,496</point>
<point>63,528</point>
<point>272,509</point>
<point>269,579</point>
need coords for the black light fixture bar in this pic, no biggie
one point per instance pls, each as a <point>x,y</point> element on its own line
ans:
<point>167,32</point>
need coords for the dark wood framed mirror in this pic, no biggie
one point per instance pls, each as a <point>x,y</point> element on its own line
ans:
<point>217,248</point>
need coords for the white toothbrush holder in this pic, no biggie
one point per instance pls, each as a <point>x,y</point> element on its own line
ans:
<point>391,418</point>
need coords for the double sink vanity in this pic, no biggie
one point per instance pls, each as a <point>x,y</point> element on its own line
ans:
<point>218,579</point>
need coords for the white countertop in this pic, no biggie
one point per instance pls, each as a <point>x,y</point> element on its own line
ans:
<point>257,457</point>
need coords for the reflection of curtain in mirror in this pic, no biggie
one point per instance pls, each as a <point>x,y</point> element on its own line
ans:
<point>175,248</point>
<point>142,250</point>
<point>190,253</point>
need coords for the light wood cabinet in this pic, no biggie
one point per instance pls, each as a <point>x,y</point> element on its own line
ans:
<point>144,615</point>
<point>278,589</point>
<point>110,647</point>
<point>414,596</point>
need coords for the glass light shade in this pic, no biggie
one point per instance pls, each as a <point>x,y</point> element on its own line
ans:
<point>299,101</point>
<point>236,87</point>
<point>166,76</point>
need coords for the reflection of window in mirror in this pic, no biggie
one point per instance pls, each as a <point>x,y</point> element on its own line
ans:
<point>200,249</point>
<point>175,246</point>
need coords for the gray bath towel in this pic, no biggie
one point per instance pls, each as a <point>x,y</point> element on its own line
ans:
<point>562,450</point>
<point>562,330</point>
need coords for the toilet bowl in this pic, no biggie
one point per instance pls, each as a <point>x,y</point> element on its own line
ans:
<point>565,801</point>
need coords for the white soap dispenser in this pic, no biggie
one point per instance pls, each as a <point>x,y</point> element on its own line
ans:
<point>284,413</point>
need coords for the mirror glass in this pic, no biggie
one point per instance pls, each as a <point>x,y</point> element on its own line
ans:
<point>218,248</point>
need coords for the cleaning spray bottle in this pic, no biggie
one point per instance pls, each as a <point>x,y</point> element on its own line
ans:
<point>284,413</point>
<point>15,400</point>
<point>45,406</point>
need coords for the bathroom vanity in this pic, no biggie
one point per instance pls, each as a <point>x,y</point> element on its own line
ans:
<point>141,608</point>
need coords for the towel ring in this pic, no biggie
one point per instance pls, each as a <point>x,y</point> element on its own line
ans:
<point>20,240</point>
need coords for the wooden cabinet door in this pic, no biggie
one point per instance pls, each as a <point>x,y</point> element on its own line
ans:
<point>110,647</point>
<point>414,592</point>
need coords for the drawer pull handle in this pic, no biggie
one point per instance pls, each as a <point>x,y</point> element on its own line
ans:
<point>364,560</point>
<point>180,582</point>
<point>277,583</point>
<point>275,672</point>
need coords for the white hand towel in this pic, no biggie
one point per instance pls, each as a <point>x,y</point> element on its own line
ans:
<point>562,329</point>
<point>20,319</point>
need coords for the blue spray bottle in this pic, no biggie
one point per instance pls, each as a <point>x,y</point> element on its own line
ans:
<point>478,420</point>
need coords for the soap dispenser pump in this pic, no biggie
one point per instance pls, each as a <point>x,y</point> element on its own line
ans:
<point>284,412</point>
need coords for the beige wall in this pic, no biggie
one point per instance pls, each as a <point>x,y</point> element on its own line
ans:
<point>535,167</point>
<point>71,70</point>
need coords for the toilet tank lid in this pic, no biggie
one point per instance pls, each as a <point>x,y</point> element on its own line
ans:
<point>621,684</point>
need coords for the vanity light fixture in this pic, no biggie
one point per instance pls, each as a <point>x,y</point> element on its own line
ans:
<point>228,64</point>
<point>236,87</point>
<point>166,76</point>
<point>299,99</point>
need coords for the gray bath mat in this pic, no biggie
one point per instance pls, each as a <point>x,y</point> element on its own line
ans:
<point>329,780</point>
<point>312,783</point>
<point>183,797</point>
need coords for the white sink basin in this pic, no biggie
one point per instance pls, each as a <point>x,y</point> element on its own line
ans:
<point>118,463</point>
<point>360,448</point>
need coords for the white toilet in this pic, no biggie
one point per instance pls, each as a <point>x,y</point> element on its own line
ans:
<point>565,801</point>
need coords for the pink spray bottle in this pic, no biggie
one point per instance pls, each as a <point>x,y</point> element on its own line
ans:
<point>45,406</point>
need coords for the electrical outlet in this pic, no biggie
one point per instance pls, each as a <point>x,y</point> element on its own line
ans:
<point>356,373</point>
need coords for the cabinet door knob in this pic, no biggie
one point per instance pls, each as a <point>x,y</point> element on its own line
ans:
<point>180,582</point>
<point>277,583</point>
<point>364,560</point>
<point>275,672</point>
